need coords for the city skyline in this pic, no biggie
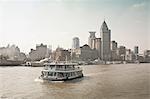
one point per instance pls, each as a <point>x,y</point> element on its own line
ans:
<point>55,22</point>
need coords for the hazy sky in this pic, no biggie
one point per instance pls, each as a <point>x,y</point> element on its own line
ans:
<point>55,22</point>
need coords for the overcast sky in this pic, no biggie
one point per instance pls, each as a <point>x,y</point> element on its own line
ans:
<point>26,23</point>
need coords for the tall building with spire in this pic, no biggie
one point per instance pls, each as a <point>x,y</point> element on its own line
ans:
<point>105,34</point>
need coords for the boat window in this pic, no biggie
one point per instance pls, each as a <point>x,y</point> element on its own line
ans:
<point>50,73</point>
<point>54,73</point>
<point>60,75</point>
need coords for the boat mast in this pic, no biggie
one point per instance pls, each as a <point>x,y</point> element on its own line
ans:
<point>66,59</point>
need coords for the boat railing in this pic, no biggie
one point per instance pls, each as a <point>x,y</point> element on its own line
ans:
<point>67,69</point>
<point>61,68</point>
<point>49,68</point>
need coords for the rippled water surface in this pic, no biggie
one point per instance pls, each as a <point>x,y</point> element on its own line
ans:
<point>125,81</point>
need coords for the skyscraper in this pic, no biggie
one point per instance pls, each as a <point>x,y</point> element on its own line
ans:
<point>98,46</point>
<point>114,47</point>
<point>105,42</point>
<point>75,43</point>
<point>136,50</point>
<point>91,40</point>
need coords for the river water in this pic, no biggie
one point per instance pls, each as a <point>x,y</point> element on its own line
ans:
<point>122,81</point>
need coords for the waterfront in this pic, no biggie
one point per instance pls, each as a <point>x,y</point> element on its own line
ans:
<point>122,81</point>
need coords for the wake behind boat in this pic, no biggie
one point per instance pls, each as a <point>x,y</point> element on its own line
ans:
<point>60,71</point>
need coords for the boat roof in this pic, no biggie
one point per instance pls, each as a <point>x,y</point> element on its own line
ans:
<point>62,71</point>
<point>60,64</point>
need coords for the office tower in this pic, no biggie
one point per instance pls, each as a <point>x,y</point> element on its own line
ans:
<point>98,46</point>
<point>136,50</point>
<point>75,43</point>
<point>91,39</point>
<point>105,42</point>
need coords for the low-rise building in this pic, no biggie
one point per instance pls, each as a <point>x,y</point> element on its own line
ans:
<point>121,52</point>
<point>147,55</point>
<point>12,52</point>
<point>61,54</point>
<point>85,53</point>
<point>39,53</point>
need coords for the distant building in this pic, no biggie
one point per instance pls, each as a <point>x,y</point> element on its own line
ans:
<point>12,52</point>
<point>141,58</point>
<point>147,55</point>
<point>97,46</point>
<point>39,53</point>
<point>136,52</point>
<point>105,42</point>
<point>121,52</point>
<point>22,56</point>
<point>85,53</point>
<point>129,55</point>
<point>114,45</point>
<point>75,43</point>
<point>91,40</point>
<point>61,54</point>
<point>49,51</point>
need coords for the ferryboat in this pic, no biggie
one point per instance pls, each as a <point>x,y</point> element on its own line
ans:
<point>60,71</point>
<point>8,62</point>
